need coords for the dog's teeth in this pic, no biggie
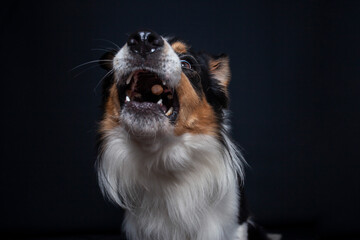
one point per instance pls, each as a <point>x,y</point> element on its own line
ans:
<point>129,79</point>
<point>160,101</point>
<point>169,112</point>
<point>164,83</point>
<point>127,99</point>
<point>137,95</point>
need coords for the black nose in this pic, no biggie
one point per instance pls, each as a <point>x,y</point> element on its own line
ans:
<point>145,42</point>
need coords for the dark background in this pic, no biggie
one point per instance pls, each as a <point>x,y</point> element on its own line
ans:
<point>295,103</point>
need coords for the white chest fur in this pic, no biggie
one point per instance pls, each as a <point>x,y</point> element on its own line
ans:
<point>179,187</point>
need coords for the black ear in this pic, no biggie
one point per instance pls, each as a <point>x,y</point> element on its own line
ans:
<point>220,69</point>
<point>106,61</point>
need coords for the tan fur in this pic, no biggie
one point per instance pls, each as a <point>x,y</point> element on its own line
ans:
<point>179,47</point>
<point>112,110</point>
<point>220,69</point>
<point>196,115</point>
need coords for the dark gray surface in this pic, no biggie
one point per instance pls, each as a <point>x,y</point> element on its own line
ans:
<point>295,103</point>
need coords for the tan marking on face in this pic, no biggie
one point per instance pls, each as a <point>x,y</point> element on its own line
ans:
<point>196,116</point>
<point>179,47</point>
<point>220,69</point>
<point>112,110</point>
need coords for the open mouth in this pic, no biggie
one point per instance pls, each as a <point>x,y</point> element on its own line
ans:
<point>146,90</point>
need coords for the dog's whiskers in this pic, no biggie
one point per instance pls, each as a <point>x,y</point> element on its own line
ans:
<point>105,76</point>
<point>90,62</point>
<point>104,49</point>
<point>87,69</point>
<point>105,40</point>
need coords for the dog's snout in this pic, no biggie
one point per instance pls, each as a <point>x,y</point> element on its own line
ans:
<point>145,42</point>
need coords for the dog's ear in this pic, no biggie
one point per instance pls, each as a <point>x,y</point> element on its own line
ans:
<point>220,69</point>
<point>106,60</point>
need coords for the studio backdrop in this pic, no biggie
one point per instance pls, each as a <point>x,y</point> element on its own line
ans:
<point>294,102</point>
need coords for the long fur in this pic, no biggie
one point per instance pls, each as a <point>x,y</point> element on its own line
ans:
<point>199,196</point>
<point>174,185</point>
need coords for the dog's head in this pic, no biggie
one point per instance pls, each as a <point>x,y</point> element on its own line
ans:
<point>160,87</point>
<point>165,121</point>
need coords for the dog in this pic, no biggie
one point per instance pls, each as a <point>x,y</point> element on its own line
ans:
<point>165,152</point>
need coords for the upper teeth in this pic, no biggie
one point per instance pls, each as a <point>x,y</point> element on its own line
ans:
<point>129,79</point>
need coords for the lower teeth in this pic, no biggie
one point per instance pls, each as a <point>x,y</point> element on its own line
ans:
<point>169,112</point>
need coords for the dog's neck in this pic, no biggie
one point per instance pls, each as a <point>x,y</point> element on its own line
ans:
<point>174,187</point>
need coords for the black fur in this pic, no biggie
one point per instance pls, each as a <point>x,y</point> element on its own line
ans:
<point>204,85</point>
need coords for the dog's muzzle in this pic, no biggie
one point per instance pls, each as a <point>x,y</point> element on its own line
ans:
<point>147,71</point>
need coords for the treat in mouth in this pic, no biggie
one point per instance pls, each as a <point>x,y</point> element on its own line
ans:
<point>145,90</point>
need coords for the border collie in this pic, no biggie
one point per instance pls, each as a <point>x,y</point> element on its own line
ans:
<point>165,153</point>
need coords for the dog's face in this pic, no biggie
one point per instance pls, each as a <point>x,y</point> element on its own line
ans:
<point>164,134</point>
<point>160,87</point>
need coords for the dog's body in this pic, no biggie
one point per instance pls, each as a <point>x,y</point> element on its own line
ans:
<point>165,152</point>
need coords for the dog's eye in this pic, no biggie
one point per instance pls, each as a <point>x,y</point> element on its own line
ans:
<point>185,64</point>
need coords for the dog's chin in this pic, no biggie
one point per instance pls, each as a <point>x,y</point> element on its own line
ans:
<point>145,120</point>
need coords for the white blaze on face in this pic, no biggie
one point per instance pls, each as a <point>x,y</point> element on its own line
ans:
<point>165,63</point>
